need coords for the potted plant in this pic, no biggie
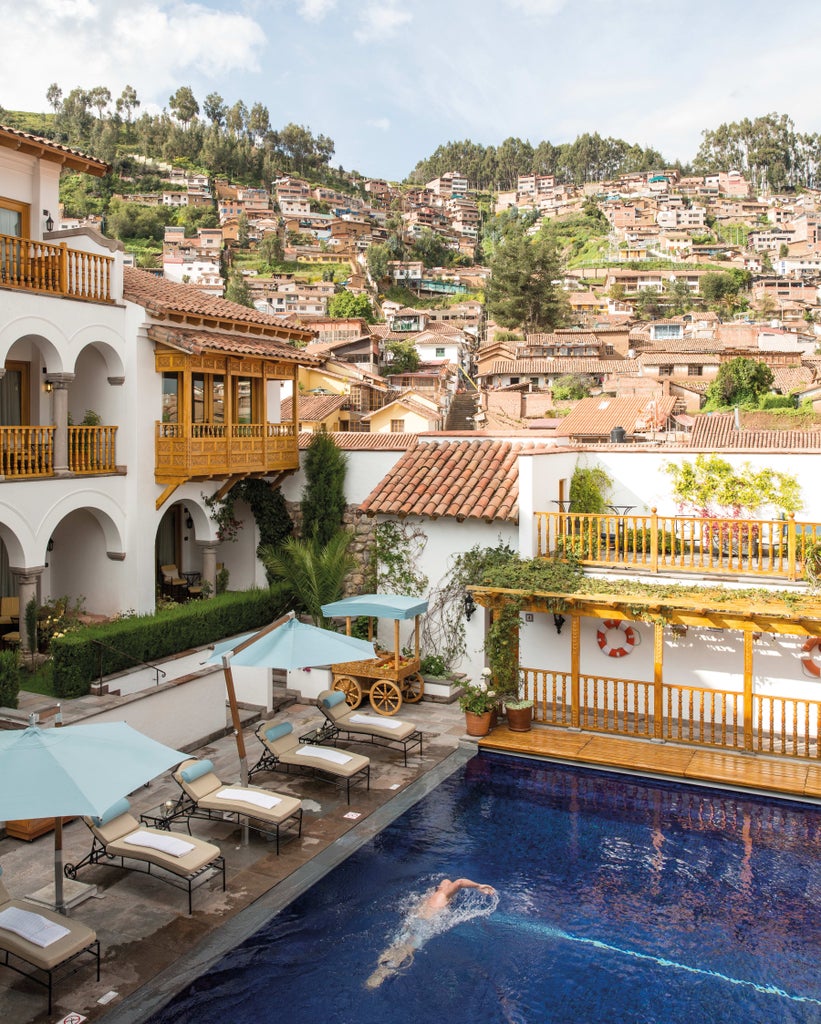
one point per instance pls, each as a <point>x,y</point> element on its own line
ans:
<point>478,703</point>
<point>519,714</point>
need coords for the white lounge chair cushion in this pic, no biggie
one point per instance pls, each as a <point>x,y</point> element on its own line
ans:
<point>32,927</point>
<point>164,843</point>
<point>324,754</point>
<point>250,796</point>
<point>382,723</point>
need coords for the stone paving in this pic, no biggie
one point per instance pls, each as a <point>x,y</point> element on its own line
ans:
<point>143,924</point>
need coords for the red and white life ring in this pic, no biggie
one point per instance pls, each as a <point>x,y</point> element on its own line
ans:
<point>810,666</point>
<point>630,638</point>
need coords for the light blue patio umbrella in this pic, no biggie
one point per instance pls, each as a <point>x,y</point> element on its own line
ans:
<point>77,770</point>
<point>286,643</point>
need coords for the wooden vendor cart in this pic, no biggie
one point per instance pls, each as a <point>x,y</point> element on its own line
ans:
<point>392,678</point>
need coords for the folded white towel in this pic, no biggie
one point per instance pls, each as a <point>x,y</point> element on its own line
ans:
<point>165,843</point>
<point>32,927</point>
<point>386,723</point>
<point>250,796</point>
<point>324,753</point>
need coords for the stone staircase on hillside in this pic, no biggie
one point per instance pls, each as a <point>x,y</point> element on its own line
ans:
<point>462,410</point>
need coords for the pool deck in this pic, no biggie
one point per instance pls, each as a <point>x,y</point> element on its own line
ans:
<point>784,777</point>
<point>152,948</point>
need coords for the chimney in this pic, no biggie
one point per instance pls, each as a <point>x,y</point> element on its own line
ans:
<point>736,419</point>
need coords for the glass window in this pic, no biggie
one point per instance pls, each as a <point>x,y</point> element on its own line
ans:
<point>218,400</point>
<point>197,398</point>
<point>397,426</point>
<point>170,398</point>
<point>243,408</point>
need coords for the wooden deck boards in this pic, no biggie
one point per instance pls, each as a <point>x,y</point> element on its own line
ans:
<point>779,776</point>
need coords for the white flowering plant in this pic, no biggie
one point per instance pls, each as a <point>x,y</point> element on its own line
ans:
<point>479,697</point>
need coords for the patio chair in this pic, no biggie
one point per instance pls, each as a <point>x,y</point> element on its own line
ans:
<point>117,834</point>
<point>9,611</point>
<point>282,751</point>
<point>376,729</point>
<point>205,796</point>
<point>47,943</point>
<point>173,585</point>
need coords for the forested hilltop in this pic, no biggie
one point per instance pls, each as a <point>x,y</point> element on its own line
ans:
<point>241,143</point>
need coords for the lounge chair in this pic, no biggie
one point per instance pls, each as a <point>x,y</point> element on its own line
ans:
<point>9,611</point>
<point>205,796</point>
<point>48,943</point>
<point>183,860</point>
<point>283,751</point>
<point>377,729</point>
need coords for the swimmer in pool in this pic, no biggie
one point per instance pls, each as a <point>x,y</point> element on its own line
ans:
<point>417,928</point>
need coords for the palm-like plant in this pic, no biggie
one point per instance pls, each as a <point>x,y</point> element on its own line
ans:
<point>308,575</point>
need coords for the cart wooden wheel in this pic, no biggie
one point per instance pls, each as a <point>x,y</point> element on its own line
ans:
<point>386,697</point>
<point>351,688</point>
<point>413,688</point>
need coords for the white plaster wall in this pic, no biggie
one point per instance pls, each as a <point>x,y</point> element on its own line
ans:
<point>365,470</point>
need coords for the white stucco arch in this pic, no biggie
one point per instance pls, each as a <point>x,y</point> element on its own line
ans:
<point>104,509</point>
<point>105,341</point>
<point>45,334</point>
<point>18,537</point>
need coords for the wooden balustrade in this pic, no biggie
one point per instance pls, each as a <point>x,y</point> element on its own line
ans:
<point>92,449</point>
<point>697,716</point>
<point>26,451</point>
<point>193,450</point>
<point>55,269</point>
<point>757,547</point>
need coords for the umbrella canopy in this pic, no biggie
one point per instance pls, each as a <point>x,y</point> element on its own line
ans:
<point>76,770</point>
<point>293,644</point>
<point>384,606</point>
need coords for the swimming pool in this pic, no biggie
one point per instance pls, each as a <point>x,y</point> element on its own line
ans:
<point>619,900</point>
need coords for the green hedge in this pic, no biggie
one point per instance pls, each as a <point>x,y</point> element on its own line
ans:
<point>9,679</point>
<point>152,637</point>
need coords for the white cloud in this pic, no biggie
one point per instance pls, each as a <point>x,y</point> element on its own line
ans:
<point>380,21</point>
<point>314,10</point>
<point>537,8</point>
<point>382,123</point>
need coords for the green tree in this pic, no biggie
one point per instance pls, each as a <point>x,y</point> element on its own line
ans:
<point>214,108</point>
<point>307,574</point>
<point>183,105</point>
<point>649,305</point>
<point>524,288</point>
<point>127,103</point>
<point>237,290</point>
<point>740,381</point>
<point>589,490</point>
<point>270,248</point>
<point>404,358</point>
<point>431,249</point>
<point>99,97</point>
<point>571,386</point>
<point>242,230</point>
<point>54,95</point>
<point>323,499</point>
<point>377,258</point>
<point>346,304</point>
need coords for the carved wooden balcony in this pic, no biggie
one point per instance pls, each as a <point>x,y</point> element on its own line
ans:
<point>201,451</point>
<point>28,452</point>
<point>43,267</point>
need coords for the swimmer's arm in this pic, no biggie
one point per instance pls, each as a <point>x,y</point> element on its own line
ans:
<point>467,883</point>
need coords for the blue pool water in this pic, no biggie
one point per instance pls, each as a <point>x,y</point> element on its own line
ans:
<point>619,901</point>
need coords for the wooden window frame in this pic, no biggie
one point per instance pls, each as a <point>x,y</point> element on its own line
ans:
<point>24,209</point>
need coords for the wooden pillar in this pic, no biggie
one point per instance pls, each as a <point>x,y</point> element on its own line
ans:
<point>575,653</point>
<point>658,692</point>
<point>748,690</point>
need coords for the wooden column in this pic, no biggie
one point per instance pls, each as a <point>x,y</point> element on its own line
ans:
<point>658,692</point>
<point>748,690</point>
<point>575,653</point>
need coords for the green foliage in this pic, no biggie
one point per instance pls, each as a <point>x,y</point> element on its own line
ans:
<point>770,401</point>
<point>308,574</point>
<point>432,249</point>
<point>147,638</point>
<point>740,381</point>
<point>346,304</point>
<point>710,486</point>
<point>522,291</point>
<point>30,613</point>
<point>9,679</point>
<point>433,665</point>
<point>502,647</point>
<point>589,490</point>
<point>397,550</point>
<point>223,576</point>
<point>377,258</point>
<point>478,698</point>
<point>404,358</point>
<point>323,499</point>
<point>267,506</point>
<point>237,290</point>
<point>571,386</point>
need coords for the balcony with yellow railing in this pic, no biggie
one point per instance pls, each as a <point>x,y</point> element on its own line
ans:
<point>767,548</point>
<point>206,450</point>
<point>28,452</point>
<point>44,267</point>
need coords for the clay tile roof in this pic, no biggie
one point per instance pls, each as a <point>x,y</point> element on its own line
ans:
<point>13,138</point>
<point>682,358</point>
<point>312,407</point>
<point>462,479</point>
<point>163,298</point>
<point>197,342</point>
<point>718,431</point>
<point>599,415</point>
<point>361,440</point>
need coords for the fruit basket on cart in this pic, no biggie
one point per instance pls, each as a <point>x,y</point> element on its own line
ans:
<point>393,677</point>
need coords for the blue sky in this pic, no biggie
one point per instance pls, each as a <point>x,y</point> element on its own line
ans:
<point>391,80</point>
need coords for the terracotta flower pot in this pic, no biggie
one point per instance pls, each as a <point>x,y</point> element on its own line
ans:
<point>519,719</point>
<point>477,724</point>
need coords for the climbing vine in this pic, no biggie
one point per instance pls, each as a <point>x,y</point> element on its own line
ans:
<point>397,550</point>
<point>267,507</point>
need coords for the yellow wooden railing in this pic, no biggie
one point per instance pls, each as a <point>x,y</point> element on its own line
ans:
<point>55,269</point>
<point>185,451</point>
<point>698,716</point>
<point>759,547</point>
<point>92,449</point>
<point>26,451</point>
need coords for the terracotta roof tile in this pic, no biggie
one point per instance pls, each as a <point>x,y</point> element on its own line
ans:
<point>313,407</point>
<point>460,479</point>
<point>717,430</point>
<point>363,441</point>
<point>73,158</point>
<point>598,416</point>
<point>562,365</point>
<point>197,342</point>
<point>162,298</point>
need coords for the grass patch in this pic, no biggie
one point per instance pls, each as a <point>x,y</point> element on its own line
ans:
<point>41,680</point>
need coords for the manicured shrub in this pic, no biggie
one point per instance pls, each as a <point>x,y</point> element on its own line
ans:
<point>9,679</point>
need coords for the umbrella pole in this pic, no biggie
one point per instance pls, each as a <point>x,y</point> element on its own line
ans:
<point>243,760</point>
<point>59,904</point>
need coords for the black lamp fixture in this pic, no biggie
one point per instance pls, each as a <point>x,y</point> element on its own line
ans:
<point>558,621</point>
<point>470,605</point>
<point>49,220</point>
<point>189,522</point>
